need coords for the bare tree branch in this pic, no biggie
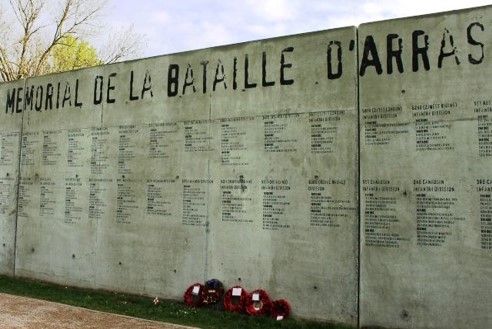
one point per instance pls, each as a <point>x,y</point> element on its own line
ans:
<point>27,43</point>
<point>122,44</point>
<point>73,18</point>
<point>27,13</point>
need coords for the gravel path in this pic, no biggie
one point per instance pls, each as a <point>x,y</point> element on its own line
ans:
<point>27,313</point>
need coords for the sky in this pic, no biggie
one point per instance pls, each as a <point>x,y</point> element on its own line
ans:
<point>171,26</point>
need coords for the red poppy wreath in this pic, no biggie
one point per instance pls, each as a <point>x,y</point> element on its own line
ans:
<point>235,299</point>
<point>259,303</point>
<point>193,295</point>
<point>280,309</point>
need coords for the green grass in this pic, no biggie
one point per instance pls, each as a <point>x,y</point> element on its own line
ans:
<point>142,307</point>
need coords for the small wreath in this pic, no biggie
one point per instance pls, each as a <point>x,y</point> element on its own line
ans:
<point>212,292</point>
<point>280,309</point>
<point>233,302</point>
<point>259,303</point>
<point>193,295</point>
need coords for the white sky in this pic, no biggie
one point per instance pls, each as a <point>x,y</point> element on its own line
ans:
<point>179,25</point>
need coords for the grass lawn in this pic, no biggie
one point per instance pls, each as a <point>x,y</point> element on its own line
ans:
<point>143,307</point>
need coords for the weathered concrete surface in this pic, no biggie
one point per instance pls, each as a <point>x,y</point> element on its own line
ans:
<point>241,163</point>
<point>237,163</point>
<point>10,139</point>
<point>28,313</point>
<point>426,252</point>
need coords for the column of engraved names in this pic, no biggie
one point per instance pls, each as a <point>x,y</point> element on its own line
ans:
<point>158,202</point>
<point>436,211</point>
<point>47,199</point>
<point>380,214</point>
<point>197,136</point>
<point>4,193</point>
<point>382,124</point>
<point>99,150</point>
<point>6,188</point>
<point>159,141</point>
<point>276,203</point>
<point>327,209</point>
<point>51,153</point>
<point>98,188</point>
<point>30,148</point>
<point>324,128</point>
<point>484,188</point>
<point>236,199</point>
<point>27,189</point>
<point>195,193</point>
<point>233,139</point>
<point>484,126</point>
<point>127,148</point>
<point>433,126</point>
<point>76,149</point>
<point>126,201</point>
<point>73,200</point>
<point>280,133</point>
<point>8,149</point>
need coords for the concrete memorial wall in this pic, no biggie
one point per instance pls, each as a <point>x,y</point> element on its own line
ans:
<point>426,179</point>
<point>10,138</point>
<point>347,171</point>
<point>236,163</point>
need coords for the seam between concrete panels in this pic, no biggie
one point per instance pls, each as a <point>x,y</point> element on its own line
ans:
<point>19,157</point>
<point>357,95</point>
<point>207,219</point>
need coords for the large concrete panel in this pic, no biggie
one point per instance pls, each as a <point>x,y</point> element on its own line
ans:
<point>56,235</point>
<point>284,207</point>
<point>237,163</point>
<point>10,132</point>
<point>425,114</point>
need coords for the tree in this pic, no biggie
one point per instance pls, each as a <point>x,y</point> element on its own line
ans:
<point>72,53</point>
<point>36,38</point>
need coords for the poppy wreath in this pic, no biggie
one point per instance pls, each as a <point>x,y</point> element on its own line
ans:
<point>280,308</point>
<point>212,292</point>
<point>261,306</point>
<point>230,305</point>
<point>193,298</point>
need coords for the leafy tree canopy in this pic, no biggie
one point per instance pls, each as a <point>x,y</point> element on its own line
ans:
<point>72,53</point>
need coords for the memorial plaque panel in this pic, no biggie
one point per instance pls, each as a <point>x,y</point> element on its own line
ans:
<point>425,171</point>
<point>283,207</point>
<point>10,139</point>
<point>55,238</point>
<point>241,163</point>
<point>231,162</point>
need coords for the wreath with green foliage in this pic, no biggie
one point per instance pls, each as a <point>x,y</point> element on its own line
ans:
<point>212,292</point>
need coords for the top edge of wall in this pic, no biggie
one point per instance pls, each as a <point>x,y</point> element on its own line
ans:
<point>243,43</point>
<point>429,15</point>
<point>225,46</point>
<point>213,48</point>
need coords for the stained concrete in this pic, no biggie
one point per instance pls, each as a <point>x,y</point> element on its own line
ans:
<point>425,159</point>
<point>10,139</point>
<point>237,163</point>
<point>242,163</point>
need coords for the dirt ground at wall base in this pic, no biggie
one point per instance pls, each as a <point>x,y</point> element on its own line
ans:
<point>27,313</point>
